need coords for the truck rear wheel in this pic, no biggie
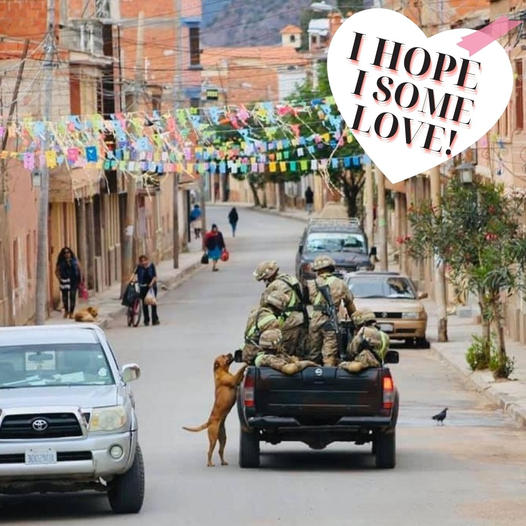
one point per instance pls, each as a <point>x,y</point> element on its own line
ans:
<point>126,492</point>
<point>385,449</point>
<point>248,449</point>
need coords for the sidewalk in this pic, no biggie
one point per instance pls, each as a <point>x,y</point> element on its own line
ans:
<point>510,395</point>
<point>109,303</point>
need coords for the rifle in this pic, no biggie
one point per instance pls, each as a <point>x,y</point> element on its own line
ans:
<point>331,311</point>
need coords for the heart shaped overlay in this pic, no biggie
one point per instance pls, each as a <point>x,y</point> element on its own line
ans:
<point>413,102</point>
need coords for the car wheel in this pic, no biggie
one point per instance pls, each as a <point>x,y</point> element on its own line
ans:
<point>422,343</point>
<point>385,449</point>
<point>126,492</point>
<point>248,449</point>
<point>409,342</point>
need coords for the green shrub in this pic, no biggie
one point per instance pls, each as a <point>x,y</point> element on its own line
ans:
<point>479,353</point>
<point>501,366</point>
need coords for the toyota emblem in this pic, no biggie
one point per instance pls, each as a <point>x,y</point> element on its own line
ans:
<point>318,371</point>
<point>40,425</point>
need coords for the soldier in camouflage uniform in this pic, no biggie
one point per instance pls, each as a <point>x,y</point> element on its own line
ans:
<point>261,318</point>
<point>271,354</point>
<point>323,337</point>
<point>295,320</point>
<point>369,345</point>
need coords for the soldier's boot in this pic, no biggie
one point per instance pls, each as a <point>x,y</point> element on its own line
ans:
<point>352,367</point>
<point>293,368</point>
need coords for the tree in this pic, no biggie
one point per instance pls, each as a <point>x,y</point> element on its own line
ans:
<point>478,236</point>
<point>348,180</point>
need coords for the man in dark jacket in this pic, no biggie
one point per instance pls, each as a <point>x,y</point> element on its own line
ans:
<point>309,199</point>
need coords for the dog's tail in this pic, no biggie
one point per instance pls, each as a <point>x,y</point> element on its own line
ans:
<point>197,429</point>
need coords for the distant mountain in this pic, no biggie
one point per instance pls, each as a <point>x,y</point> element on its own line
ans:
<point>248,22</point>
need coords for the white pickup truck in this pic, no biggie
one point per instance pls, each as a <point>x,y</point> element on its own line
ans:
<point>67,417</point>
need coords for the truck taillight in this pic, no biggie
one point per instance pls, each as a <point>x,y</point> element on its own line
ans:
<point>248,391</point>
<point>388,390</point>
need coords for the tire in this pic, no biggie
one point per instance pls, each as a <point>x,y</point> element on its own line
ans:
<point>248,449</point>
<point>134,313</point>
<point>385,449</point>
<point>422,343</point>
<point>126,492</point>
<point>409,342</point>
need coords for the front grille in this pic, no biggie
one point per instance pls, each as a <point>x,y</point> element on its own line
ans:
<point>63,456</point>
<point>388,315</point>
<point>58,425</point>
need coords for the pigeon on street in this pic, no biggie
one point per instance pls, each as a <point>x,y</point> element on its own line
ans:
<point>440,417</point>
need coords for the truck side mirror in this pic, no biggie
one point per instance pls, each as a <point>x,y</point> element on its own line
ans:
<point>300,249</point>
<point>130,372</point>
<point>238,356</point>
<point>391,357</point>
<point>372,252</point>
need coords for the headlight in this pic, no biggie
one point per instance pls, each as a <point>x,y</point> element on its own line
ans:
<point>410,315</point>
<point>107,418</point>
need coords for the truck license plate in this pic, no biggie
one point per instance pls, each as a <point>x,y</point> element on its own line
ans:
<point>41,456</point>
<point>386,327</point>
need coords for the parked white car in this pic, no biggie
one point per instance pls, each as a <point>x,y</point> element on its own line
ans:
<point>67,417</point>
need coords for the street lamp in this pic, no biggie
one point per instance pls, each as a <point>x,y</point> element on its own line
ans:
<point>324,7</point>
<point>466,172</point>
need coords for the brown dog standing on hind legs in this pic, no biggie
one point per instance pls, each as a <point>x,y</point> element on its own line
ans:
<point>225,397</point>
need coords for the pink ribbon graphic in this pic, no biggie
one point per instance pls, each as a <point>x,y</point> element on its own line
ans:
<point>485,36</point>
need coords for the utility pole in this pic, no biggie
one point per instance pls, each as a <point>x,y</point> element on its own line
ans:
<point>382,220</point>
<point>127,260</point>
<point>42,245</point>
<point>369,203</point>
<point>178,97</point>
<point>440,274</point>
<point>4,199</point>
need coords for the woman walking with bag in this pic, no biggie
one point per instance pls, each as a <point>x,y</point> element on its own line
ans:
<point>69,274</point>
<point>146,275</point>
<point>215,245</point>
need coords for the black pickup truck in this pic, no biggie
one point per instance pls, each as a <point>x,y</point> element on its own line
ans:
<point>318,406</point>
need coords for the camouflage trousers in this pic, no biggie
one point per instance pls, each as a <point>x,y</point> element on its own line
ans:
<point>276,361</point>
<point>323,347</point>
<point>366,358</point>
<point>250,352</point>
<point>294,340</point>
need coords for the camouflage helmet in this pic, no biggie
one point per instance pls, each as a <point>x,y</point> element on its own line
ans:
<point>276,299</point>
<point>361,317</point>
<point>322,262</point>
<point>270,339</point>
<point>265,270</point>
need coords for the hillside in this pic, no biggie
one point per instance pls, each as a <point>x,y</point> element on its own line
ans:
<point>248,22</point>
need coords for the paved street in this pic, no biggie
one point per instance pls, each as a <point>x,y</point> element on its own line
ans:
<point>472,471</point>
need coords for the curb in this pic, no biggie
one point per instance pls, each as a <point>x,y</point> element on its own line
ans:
<point>474,380</point>
<point>164,286</point>
<point>273,212</point>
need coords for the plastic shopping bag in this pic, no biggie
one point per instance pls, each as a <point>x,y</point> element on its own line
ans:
<point>150,298</point>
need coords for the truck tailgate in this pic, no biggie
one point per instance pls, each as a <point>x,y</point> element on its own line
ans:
<point>318,392</point>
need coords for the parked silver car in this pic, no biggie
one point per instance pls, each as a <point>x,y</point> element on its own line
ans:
<point>67,417</point>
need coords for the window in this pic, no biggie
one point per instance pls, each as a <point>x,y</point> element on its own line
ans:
<point>195,53</point>
<point>29,256</point>
<point>15,264</point>
<point>292,38</point>
<point>519,100</point>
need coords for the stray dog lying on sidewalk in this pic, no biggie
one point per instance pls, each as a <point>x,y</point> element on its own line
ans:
<point>225,396</point>
<point>89,314</point>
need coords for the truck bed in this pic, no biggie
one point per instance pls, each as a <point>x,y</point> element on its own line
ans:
<point>317,395</point>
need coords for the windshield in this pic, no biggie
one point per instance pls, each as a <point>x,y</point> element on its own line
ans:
<point>381,287</point>
<point>54,365</point>
<point>335,242</point>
